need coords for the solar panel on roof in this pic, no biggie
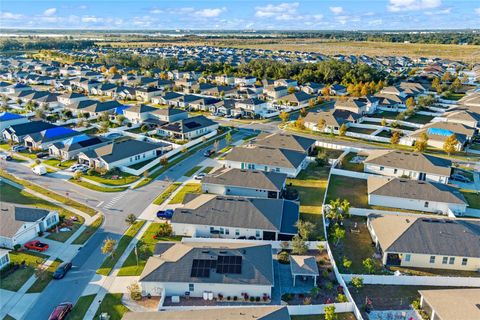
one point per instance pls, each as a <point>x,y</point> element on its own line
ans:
<point>191,125</point>
<point>229,264</point>
<point>201,267</point>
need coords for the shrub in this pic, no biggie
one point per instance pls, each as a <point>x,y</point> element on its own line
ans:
<point>283,257</point>
<point>257,299</point>
<point>235,298</point>
<point>252,299</point>
<point>17,247</point>
<point>307,301</point>
<point>287,297</point>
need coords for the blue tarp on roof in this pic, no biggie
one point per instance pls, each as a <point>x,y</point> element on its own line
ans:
<point>440,132</point>
<point>58,131</point>
<point>119,110</point>
<point>6,116</point>
<point>76,139</point>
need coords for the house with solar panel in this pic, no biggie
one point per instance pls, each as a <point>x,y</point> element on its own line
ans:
<point>17,132</point>
<point>187,129</point>
<point>197,269</point>
<point>70,148</point>
<point>45,138</point>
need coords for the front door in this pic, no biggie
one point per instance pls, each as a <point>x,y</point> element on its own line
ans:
<point>422,176</point>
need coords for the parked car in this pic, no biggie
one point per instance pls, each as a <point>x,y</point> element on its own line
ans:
<point>460,178</point>
<point>39,170</point>
<point>208,153</point>
<point>42,155</point>
<point>78,167</point>
<point>6,157</point>
<point>165,214</point>
<point>61,311</point>
<point>36,245</point>
<point>62,270</point>
<point>200,176</point>
<point>18,148</point>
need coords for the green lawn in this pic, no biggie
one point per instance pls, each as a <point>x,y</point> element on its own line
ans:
<point>80,309</point>
<point>64,236</point>
<point>167,193</point>
<point>347,165</point>
<point>42,283</point>
<point>92,186</point>
<point>89,231</point>
<point>116,179</point>
<point>61,165</point>
<point>112,304</point>
<point>384,134</point>
<point>207,170</point>
<point>190,172</point>
<point>454,96</point>
<point>352,189</point>
<point>122,244</point>
<point>145,246</point>
<point>17,279</point>
<point>67,201</point>
<point>311,185</point>
<point>188,188</point>
<point>385,114</point>
<point>361,130</point>
<point>420,118</point>
<point>472,197</point>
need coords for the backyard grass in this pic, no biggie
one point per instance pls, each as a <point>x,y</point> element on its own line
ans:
<point>361,130</point>
<point>348,165</point>
<point>89,231</point>
<point>352,189</point>
<point>392,115</point>
<point>472,197</point>
<point>50,194</point>
<point>190,172</point>
<point>384,134</point>
<point>188,188</point>
<point>331,153</point>
<point>42,283</point>
<point>94,187</point>
<point>145,248</point>
<point>420,118</point>
<point>112,304</point>
<point>167,193</point>
<point>122,244</point>
<point>80,309</point>
<point>14,281</point>
<point>454,96</point>
<point>122,178</point>
<point>207,170</point>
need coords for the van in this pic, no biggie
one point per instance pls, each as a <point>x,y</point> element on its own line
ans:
<point>40,170</point>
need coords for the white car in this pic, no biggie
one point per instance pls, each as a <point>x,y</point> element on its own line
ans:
<point>78,167</point>
<point>199,176</point>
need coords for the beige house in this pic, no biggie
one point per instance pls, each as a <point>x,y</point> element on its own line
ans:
<point>451,304</point>
<point>423,242</point>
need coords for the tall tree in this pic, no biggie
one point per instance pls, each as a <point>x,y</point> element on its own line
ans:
<point>284,116</point>
<point>395,138</point>
<point>343,129</point>
<point>422,143</point>
<point>450,144</point>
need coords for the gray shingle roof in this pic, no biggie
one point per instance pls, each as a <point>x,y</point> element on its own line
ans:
<point>13,216</point>
<point>253,179</point>
<point>283,141</point>
<point>267,156</point>
<point>120,150</point>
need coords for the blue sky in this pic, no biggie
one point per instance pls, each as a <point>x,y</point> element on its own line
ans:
<point>239,14</point>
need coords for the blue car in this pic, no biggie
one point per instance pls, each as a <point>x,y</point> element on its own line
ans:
<point>165,214</point>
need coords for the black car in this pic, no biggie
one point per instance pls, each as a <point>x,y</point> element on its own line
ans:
<point>41,155</point>
<point>62,270</point>
<point>208,153</point>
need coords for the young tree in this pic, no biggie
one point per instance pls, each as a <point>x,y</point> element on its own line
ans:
<point>383,122</point>
<point>104,126</point>
<point>284,116</point>
<point>305,228</point>
<point>228,138</point>
<point>343,129</point>
<point>422,143</point>
<point>338,234</point>
<point>131,219</point>
<point>311,103</point>
<point>321,124</point>
<point>163,161</point>
<point>300,123</point>
<point>77,175</point>
<point>135,291</point>
<point>456,85</point>
<point>330,313</point>
<point>298,245</point>
<point>291,90</point>
<point>120,119</point>
<point>303,112</point>
<point>215,145</point>
<point>346,263</point>
<point>410,103</point>
<point>450,145</point>
<point>108,246</point>
<point>395,139</point>
<point>357,282</point>
<point>369,265</point>
<point>326,91</point>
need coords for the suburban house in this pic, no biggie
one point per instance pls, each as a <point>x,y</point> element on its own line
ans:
<point>17,132</point>
<point>145,113</point>
<point>214,216</point>
<point>4,258</point>
<point>413,165</point>
<point>298,99</point>
<point>312,87</point>
<point>262,158</point>
<point>8,119</point>
<point>70,148</point>
<point>330,121</point>
<point>466,117</point>
<point>252,107</point>
<point>20,224</point>
<point>118,154</point>
<point>424,242</point>
<point>276,92</point>
<point>193,269</point>
<point>146,94</point>
<point>234,313</point>
<point>451,304</point>
<point>189,128</point>
<point>438,132</point>
<point>70,98</point>
<point>284,141</point>
<point>44,139</point>
<point>415,195</point>
<point>245,81</point>
<point>246,183</point>
<point>358,105</point>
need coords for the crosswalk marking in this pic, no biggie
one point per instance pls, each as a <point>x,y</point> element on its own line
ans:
<point>114,200</point>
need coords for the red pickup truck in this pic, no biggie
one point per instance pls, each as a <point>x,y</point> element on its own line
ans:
<point>36,245</point>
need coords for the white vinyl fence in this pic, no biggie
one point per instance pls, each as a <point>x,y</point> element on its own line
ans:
<point>416,280</point>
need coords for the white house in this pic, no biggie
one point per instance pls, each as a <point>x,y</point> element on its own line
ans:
<point>414,165</point>
<point>20,224</point>
<point>415,195</point>
<point>195,269</point>
<point>4,258</point>
<point>187,129</point>
<point>213,216</point>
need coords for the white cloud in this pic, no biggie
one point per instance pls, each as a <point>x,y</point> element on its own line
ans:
<point>412,5</point>
<point>91,19</point>
<point>375,22</point>
<point>50,12</point>
<point>477,11</point>
<point>10,16</point>
<point>156,11</point>
<point>279,11</point>
<point>439,12</point>
<point>336,10</point>
<point>210,13</point>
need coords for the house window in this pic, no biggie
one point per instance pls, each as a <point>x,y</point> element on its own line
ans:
<point>257,233</point>
<point>191,287</point>
<point>426,204</point>
<point>212,229</point>
<point>444,260</point>
<point>222,231</point>
<point>464,261</point>
<point>395,171</point>
<point>452,260</point>
<point>381,168</point>
<point>432,259</point>
<point>237,232</point>
<point>227,231</point>
<point>407,257</point>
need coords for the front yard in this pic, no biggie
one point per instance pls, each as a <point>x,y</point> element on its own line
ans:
<point>112,305</point>
<point>80,309</point>
<point>167,193</point>
<point>190,172</point>
<point>61,165</point>
<point>352,162</point>
<point>27,261</point>
<point>352,189</point>
<point>188,188</point>
<point>44,279</point>
<point>112,179</point>
<point>472,197</point>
